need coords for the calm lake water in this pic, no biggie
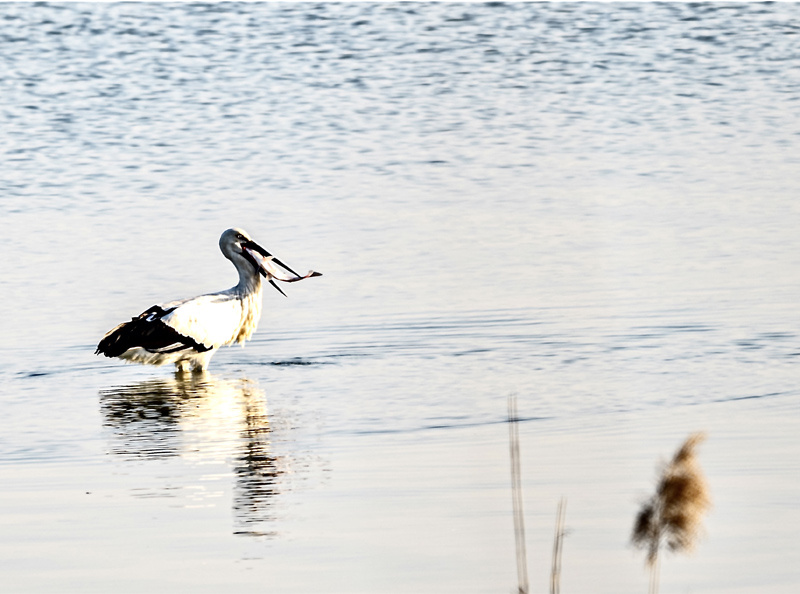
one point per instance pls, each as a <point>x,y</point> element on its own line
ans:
<point>591,206</point>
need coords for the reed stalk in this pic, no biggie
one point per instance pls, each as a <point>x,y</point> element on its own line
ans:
<point>516,496</point>
<point>558,544</point>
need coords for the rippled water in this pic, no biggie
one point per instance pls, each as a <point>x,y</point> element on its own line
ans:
<point>592,206</point>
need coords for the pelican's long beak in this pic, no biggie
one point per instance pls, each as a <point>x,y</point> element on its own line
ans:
<point>268,265</point>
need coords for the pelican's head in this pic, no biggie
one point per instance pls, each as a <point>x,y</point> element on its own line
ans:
<point>249,257</point>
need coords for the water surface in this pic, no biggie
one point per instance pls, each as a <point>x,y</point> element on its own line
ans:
<point>592,206</point>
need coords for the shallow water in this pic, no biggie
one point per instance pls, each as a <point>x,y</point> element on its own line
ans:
<point>592,206</point>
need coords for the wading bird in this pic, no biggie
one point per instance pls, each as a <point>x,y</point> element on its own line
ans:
<point>188,332</point>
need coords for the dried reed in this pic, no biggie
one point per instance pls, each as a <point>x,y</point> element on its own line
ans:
<point>558,545</point>
<point>516,496</point>
<point>673,515</point>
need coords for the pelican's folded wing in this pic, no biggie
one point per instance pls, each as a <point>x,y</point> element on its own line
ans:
<point>149,332</point>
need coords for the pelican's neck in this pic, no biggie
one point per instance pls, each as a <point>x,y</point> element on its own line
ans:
<point>249,282</point>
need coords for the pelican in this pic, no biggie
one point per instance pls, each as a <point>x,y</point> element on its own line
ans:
<point>188,332</point>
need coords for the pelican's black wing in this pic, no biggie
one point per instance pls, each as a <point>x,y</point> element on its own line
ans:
<point>148,332</point>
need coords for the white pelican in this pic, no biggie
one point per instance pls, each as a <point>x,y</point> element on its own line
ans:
<point>189,331</point>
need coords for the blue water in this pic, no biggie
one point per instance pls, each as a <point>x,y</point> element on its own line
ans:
<point>592,206</point>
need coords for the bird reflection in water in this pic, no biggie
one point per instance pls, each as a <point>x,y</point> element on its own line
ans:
<point>202,420</point>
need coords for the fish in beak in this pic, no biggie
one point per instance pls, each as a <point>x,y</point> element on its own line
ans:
<point>270,267</point>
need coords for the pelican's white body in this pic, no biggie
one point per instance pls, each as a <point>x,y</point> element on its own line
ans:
<point>213,320</point>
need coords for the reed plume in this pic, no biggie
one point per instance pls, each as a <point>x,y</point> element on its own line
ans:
<point>672,517</point>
